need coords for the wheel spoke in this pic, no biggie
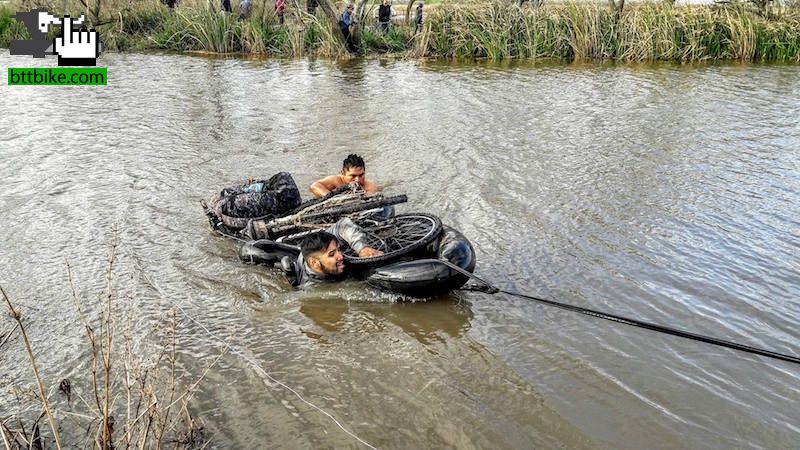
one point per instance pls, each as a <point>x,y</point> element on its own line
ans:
<point>396,235</point>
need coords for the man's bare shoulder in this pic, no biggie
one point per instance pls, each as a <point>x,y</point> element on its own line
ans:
<point>331,181</point>
<point>370,186</point>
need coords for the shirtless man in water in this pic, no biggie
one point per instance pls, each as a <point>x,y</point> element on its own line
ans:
<point>353,171</point>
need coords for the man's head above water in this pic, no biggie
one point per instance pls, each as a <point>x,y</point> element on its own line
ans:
<point>353,172</point>
<point>353,169</point>
<point>322,254</point>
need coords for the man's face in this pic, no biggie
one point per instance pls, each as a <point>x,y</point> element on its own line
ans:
<point>330,260</point>
<point>352,174</point>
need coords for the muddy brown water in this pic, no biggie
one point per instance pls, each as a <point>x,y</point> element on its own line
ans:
<point>666,193</point>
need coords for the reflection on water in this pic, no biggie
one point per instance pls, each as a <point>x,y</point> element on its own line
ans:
<point>351,71</point>
<point>668,193</point>
<point>432,321</point>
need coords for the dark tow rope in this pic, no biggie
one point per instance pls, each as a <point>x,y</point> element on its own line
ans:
<point>489,288</point>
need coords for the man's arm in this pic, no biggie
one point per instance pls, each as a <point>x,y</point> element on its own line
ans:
<point>346,230</point>
<point>320,188</point>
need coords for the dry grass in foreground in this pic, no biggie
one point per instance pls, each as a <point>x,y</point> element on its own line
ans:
<point>123,400</point>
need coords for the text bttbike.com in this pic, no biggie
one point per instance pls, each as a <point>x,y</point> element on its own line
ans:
<point>58,76</point>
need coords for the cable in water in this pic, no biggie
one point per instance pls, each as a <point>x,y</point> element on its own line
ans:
<point>491,289</point>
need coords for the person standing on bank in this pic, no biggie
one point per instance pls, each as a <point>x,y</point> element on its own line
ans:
<point>345,22</point>
<point>280,7</point>
<point>384,16</point>
<point>244,8</point>
<point>418,17</point>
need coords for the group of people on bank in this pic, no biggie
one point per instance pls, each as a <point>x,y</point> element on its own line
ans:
<point>246,5</point>
<point>346,19</point>
<point>385,13</point>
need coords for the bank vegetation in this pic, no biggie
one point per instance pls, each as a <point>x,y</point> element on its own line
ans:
<point>495,29</point>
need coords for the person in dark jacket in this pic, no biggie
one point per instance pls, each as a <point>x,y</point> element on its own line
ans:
<point>384,16</point>
<point>418,17</point>
<point>321,259</point>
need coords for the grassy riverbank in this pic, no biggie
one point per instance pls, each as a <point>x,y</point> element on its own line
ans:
<point>491,29</point>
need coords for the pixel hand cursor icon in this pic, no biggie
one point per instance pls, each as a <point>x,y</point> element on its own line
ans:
<point>76,47</point>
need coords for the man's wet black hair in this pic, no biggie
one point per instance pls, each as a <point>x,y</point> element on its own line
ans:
<point>316,242</point>
<point>353,160</point>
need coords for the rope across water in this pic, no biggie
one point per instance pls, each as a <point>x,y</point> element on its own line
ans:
<point>491,289</point>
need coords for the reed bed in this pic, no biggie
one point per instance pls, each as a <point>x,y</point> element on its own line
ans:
<point>492,29</point>
<point>10,29</point>
<point>581,31</point>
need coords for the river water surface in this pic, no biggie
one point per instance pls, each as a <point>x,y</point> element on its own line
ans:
<point>666,193</point>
